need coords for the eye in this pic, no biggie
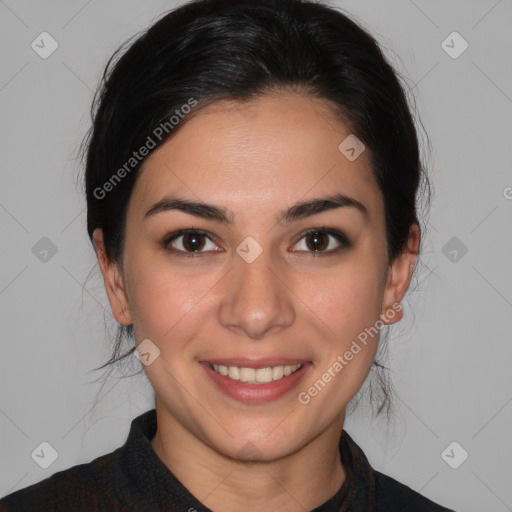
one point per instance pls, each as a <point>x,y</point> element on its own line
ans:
<point>322,241</point>
<point>190,241</point>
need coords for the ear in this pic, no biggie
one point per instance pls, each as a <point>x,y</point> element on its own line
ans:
<point>113,281</point>
<point>399,276</point>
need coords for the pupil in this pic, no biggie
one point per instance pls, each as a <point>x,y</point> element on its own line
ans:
<point>193,242</point>
<point>317,241</point>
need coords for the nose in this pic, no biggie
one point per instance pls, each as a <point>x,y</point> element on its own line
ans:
<point>257,301</point>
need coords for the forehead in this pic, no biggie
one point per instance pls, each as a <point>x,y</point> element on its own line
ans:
<point>260,154</point>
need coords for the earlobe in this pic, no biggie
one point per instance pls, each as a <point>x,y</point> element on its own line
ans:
<point>113,281</point>
<point>399,277</point>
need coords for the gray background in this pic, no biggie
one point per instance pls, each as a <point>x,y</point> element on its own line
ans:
<point>451,357</point>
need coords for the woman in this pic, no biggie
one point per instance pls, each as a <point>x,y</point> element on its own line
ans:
<point>252,174</point>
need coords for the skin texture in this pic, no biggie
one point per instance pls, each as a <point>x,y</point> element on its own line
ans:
<point>255,159</point>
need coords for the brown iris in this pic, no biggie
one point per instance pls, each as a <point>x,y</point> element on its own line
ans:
<point>317,241</point>
<point>193,241</point>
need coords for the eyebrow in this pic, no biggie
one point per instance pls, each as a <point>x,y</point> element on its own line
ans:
<point>299,210</point>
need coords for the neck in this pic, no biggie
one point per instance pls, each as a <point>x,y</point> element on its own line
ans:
<point>300,481</point>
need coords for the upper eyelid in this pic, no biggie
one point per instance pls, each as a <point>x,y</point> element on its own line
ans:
<point>182,232</point>
<point>329,231</point>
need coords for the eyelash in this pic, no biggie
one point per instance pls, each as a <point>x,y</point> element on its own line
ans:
<point>340,237</point>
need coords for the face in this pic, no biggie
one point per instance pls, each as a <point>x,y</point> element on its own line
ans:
<point>255,248</point>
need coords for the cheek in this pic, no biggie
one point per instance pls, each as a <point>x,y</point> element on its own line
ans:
<point>348,302</point>
<point>163,301</point>
<point>347,299</point>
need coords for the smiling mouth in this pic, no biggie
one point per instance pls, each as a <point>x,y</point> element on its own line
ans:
<point>263,375</point>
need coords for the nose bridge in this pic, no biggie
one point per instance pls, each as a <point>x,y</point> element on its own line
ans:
<point>256,301</point>
<point>256,280</point>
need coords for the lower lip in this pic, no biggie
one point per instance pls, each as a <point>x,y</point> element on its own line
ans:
<point>256,393</point>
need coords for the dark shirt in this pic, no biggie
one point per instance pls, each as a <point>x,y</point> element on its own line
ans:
<point>133,478</point>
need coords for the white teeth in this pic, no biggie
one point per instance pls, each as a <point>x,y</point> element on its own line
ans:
<point>256,375</point>
<point>247,374</point>
<point>277,372</point>
<point>234,372</point>
<point>264,375</point>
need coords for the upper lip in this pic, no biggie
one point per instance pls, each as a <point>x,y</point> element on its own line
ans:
<point>255,363</point>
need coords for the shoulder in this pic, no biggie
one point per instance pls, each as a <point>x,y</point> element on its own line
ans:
<point>112,482</point>
<point>391,495</point>
<point>87,484</point>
